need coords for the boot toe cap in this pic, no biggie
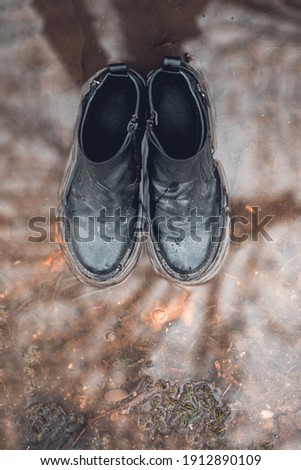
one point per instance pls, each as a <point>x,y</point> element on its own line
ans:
<point>189,259</point>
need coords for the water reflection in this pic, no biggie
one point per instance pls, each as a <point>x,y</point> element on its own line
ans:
<point>71,352</point>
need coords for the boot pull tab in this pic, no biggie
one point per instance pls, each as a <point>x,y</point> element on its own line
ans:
<point>118,69</point>
<point>172,64</point>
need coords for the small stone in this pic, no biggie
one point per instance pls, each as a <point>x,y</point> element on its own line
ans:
<point>110,336</point>
<point>118,377</point>
<point>266,414</point>
<point>293,443</point>
<point>268,423</point>
<point>117,394</point>
<point>287,427</point>
<point>159,315</point>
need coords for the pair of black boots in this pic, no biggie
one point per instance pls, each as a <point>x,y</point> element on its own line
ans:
<point>142,170</point>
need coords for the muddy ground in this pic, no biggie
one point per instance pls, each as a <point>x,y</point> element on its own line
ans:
<point>87,368</point>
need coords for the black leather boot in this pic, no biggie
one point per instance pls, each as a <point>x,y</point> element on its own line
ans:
<point>188,203</point>
<point>100,197</point>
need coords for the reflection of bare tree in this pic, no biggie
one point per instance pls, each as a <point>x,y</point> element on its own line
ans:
<point>156,28</point>
<point>287,10</point>
<point>69,29</point>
